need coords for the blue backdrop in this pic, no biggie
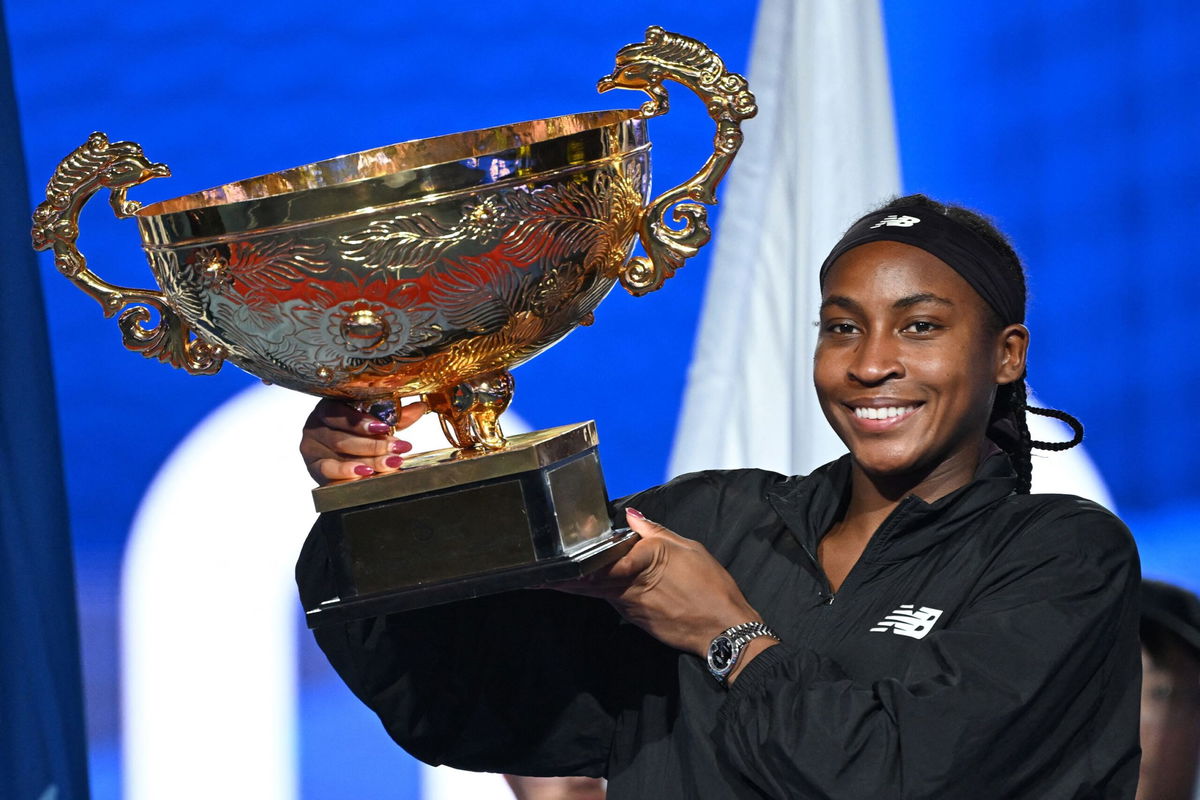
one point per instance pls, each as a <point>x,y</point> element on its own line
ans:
<point>1073,123</point>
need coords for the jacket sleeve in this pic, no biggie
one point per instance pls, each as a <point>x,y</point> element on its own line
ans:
<point>511,683</point>
<point>1040,666</point>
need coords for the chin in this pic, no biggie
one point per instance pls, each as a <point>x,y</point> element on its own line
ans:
<point>887,468</point>
<point>882,461</point>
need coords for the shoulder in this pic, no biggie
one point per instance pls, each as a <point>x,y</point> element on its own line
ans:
<point>1066,520</point>
<point>1060,545</point>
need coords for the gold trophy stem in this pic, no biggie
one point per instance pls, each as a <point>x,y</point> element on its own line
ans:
<point>470,412</point>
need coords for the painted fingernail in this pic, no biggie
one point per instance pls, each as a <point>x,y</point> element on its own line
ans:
<point>363,470</point>
<point>633,512</point>
<point>378,427</point>
<point>393,461</point>
<point>400,446</point>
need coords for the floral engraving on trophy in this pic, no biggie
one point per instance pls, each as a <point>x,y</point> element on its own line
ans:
<point>258,268</point>
<point>596,218</point>
<point>367,333</point>
<point>477,294</point>
<point>411,243</point>
<point>510,276</point>
<point>547,272</point>
<point>558,287</point>
<point>212,269</point>
<point>238,294</point>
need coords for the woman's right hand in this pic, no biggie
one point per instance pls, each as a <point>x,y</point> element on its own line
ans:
<point>342,443</point>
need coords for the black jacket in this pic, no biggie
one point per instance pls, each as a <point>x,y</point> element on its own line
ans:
<point>984,645</point>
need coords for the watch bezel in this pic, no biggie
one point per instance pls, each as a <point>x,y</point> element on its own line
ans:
<point>713,665</point>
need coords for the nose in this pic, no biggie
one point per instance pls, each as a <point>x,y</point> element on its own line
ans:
<point>876,360</point>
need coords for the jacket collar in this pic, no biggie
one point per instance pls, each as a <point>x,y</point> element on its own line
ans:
<point>809,505</point>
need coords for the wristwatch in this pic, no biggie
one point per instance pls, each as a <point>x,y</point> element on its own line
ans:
<point>726,648</point>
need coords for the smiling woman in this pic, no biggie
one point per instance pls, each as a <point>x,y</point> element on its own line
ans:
<point>920,365</point>
<point>907,621</point>
<point>906,367</point>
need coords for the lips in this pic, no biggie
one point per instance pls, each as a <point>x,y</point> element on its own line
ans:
<point>878,414</point>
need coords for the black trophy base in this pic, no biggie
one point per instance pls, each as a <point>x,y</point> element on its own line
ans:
<point>453,526</point>
<point>539,573</point>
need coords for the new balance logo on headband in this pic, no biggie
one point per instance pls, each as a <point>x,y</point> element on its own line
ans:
<point>907,621</point>
<point>896,221</point>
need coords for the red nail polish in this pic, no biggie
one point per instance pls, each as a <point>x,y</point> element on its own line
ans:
<point>378,427</point>
<point>401,446</point>
<point>633,512</point>
<point>363,470</point>
<point>393,461</point>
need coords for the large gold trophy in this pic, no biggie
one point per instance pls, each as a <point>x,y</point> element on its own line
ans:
<point>431,268</point>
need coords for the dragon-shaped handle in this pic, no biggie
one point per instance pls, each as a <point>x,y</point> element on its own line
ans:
<point>670,56</point>
<point>99,164</point>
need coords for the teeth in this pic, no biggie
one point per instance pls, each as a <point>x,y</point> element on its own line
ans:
<point>883,413</point>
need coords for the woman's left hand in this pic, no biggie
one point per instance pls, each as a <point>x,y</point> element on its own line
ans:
<point>669,586</point>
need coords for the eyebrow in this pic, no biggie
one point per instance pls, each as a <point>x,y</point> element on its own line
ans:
<point>842,301</point>
<point>923,297</point>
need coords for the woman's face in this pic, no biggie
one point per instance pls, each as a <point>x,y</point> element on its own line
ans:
<point>908,361</point>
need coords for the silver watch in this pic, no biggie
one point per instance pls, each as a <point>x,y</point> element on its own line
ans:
<point>726,648</point>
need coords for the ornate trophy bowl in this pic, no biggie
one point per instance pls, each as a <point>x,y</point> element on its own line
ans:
<point>411,268</point>
<point>430,267</point>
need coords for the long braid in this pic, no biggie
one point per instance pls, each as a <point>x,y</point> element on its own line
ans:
<point>1020,452</point>
<point>1009,427</point>
<point>1076,429</point>
<point>1016,402</point>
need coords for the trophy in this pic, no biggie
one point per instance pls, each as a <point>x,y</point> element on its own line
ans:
<point>432,268</point>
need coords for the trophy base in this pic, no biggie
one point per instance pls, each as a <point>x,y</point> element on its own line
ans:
<point>527,576</point>
<point>454,524</point>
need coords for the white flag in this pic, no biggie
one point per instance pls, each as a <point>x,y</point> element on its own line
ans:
<point>820,153</point>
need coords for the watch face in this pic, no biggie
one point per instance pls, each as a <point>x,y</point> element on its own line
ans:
<point>719,654</point>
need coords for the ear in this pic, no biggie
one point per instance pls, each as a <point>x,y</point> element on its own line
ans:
<point>1012,344</point>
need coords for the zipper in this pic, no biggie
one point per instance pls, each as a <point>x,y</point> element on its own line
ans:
<point>827,595</point>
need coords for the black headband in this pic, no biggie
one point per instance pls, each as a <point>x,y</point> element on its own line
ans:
<point>965,251</point>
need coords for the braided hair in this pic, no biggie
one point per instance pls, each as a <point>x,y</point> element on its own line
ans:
<point>1007,426</point>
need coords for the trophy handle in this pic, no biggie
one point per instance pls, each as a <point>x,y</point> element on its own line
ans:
<point>99,164</point>
<point>645,66</point>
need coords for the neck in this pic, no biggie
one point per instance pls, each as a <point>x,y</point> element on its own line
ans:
<point>874,497</point>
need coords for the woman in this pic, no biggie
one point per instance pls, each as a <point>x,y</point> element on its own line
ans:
<point>907,621</point>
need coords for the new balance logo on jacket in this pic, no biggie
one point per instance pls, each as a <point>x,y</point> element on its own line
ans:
<point>909,621</point>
